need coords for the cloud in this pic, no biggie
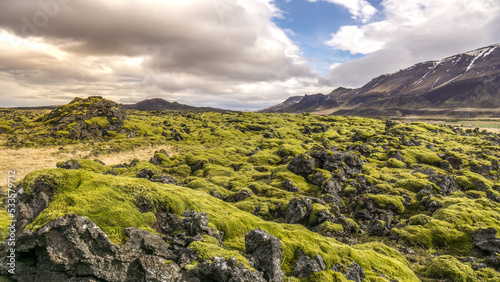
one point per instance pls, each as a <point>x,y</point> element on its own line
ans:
<point>148,48</point>
<point>360,9</point>
<point>365,69</point>
<point>415,31</point>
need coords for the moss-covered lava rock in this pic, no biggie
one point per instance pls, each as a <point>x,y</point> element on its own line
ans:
<point>89,118</point>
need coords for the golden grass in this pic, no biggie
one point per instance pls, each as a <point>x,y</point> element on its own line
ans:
<point>26,160</point>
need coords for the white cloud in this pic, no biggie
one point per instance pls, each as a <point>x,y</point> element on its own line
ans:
<point>131,50</point>
<point>420,30</point>
<point>360,9</point>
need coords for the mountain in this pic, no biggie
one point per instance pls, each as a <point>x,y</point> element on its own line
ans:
<point>158,104</point>
<point>283,105</point>
<point>464,84</point>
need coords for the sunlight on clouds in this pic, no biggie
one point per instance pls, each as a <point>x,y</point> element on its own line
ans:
<point>160,48</point>
<point>413,32</point>
<point>354,39</point>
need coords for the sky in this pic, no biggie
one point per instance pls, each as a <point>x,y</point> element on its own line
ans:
<point>231,54</point>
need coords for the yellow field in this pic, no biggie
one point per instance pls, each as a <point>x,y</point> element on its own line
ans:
<point>26,160</point>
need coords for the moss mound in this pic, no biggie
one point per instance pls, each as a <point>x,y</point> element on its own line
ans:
<point>109,201</point>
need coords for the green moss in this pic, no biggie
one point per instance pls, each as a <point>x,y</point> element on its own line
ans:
<point>468,180</point>
<point>208,249</point>
<point>488,274</point>
<point>4,223</point>
<point>180,170</point>
<point>412,184</point>
<point>290,150</point>
<point>97,198</point>
<point>109,202</point>
<point>316,208</point>
<point>93,166</point>
<point>422,155</point>
<point>448,267</point>
<point>382,201</point>
<point>327,227</point>
<point>419,219</point>
<point>264,158</point>
<point>395,163</point>
<point>451,227</point>
<point>102,122</point>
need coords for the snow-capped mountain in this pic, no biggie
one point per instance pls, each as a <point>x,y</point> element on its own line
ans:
<point>467,80</point>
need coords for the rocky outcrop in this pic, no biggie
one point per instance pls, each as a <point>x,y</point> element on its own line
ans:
<point>227,269</point>
<point>71,164</point>
<point>288,185</point>
<point>153,176</point>
<point>353,271</point>
<point>307,265</point>
<point>73,248</point>
<point>342,165</point>
<point>487,241</point>
<point>302,165</point>
<point>90,118</point>
<point>264,253</point>
<point>298,210</point>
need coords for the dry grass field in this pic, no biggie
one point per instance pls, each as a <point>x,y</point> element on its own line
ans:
<point>26,160</point>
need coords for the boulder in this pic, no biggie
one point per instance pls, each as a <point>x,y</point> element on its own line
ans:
<point>165,179</point>
<point>298,210</point>
<point>73,248</point>
<point>71,164</point>
<point>227,270</point>
<point>146,173</point>
<point>353,271</point>
<point>288,185</point>
<point>331,186</point>
<point>492,196</point>
<point>197,223</point>
<point>307,265</point>
<point>302,165</point>
<point>264,253</point>
<point>486,240</point>
<point>244,194</point>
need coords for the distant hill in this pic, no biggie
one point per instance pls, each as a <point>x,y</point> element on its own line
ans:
<point>158,104</point>
<point>466,84</point>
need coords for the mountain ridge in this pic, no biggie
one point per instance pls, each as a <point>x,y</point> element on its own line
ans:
<point>466,80</point>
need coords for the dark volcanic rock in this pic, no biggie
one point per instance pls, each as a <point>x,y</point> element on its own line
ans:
<point>350,163</point>
<point>288,185</point>
<point>353,271</point>
<point>302,165</point>
<point>71,164</point>
<point>227,270</point>
<point>492,196</point>
<point>73,248</point>
<point>298,210</point>
<point>165,179</point>
<point>146,173</point>
<point>307,265</point>
<point>244,194</point>
<point>486,240</point>
<point>197,223</point>
<point>264,252</point>
<point>332,186</point>
<point>30,206</point>
<point>378,228</point>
